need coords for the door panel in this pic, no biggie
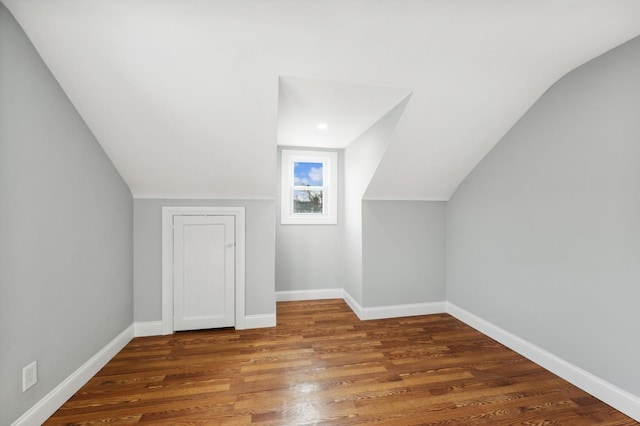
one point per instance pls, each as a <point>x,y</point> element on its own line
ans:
<point>204,274</point>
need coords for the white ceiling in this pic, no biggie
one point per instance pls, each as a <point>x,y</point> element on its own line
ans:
<point>346,109</point>
<point>183,94</point>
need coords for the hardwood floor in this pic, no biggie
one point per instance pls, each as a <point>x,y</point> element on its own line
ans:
<point>321,365</point>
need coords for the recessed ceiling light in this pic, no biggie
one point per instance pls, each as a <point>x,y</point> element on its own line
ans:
<point>322,126</point>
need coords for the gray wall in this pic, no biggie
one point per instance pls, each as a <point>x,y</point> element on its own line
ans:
<point>309,257</point>
<point>543,237</point>
<point>361,160</point>
<point>66,231</point>
<point>260,254</point>
<point>403,252</point>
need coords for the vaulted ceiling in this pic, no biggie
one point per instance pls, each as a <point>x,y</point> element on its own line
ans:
<point>183,95</point>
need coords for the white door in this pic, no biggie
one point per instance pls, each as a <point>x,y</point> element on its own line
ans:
<point>203,272</point>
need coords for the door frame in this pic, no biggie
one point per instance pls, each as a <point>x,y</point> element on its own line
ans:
<point>168,213</point>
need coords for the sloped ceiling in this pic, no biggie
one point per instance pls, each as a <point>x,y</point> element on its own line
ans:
<point>347,110</point>
<point>183,94</point>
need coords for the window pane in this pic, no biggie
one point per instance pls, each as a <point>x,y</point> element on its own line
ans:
<point>308,201</point>
<point>307,174</point>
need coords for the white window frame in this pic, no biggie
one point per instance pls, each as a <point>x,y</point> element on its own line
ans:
<point>329,160</point>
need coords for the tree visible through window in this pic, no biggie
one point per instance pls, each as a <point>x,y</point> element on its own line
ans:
<point>309,187</point>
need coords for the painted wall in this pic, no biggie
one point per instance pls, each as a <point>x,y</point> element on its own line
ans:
<point>309,257</point>
<point>66,273</point>
<point>361,159</point>
<point>403,252</point>
<point>543,237</point>
<point>260,254</point>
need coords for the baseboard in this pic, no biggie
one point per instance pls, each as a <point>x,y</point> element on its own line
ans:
<point>260,321</point>
<point>154,328</point>
<point>394,311</point>
<point>147,328</point>
<point>319,294</point>
<point>397,311</point>
<point>48,405</point>
<point>353,304</point>
<point>378,312</point>
<point>619,399</point>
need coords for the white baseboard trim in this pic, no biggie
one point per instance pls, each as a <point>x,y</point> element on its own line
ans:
<point>319,294</point>
<point>147,328</point>
<point>48,405</point>
<point>408,310</point>
<point>260,321</point>
<point>154,328</point>
<point>353,304</point>
<point>394,311</point>
<point>619,399</point>
<point>378,312</point>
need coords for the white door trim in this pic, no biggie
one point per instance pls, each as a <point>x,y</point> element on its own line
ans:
<point>168,212</point>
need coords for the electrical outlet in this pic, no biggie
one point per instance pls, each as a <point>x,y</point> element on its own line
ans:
<point>29,375</point>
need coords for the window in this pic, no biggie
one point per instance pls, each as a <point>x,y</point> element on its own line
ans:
<point>309,187</point>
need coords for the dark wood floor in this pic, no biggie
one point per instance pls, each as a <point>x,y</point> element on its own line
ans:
<point>321,365</point>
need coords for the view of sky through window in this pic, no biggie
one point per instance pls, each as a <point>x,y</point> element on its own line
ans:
<point>307,174</point>
<point>308,180</point>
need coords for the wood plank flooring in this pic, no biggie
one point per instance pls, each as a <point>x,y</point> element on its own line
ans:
<point>321,365</point>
